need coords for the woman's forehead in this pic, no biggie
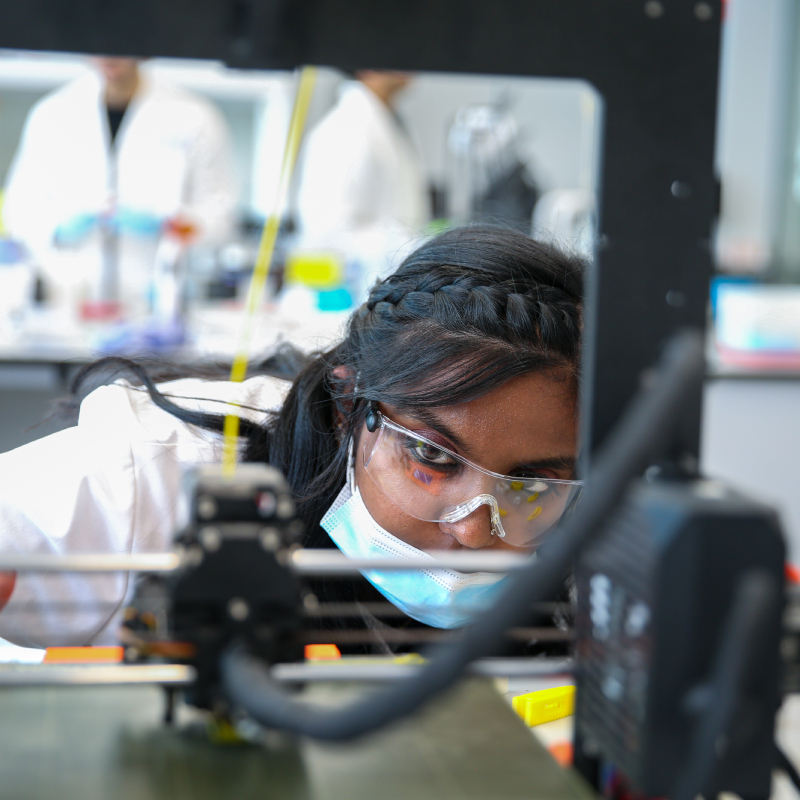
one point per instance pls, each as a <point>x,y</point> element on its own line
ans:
<point>532,416</point>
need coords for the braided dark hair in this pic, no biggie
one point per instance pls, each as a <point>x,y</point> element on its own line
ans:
<point>466,312</point>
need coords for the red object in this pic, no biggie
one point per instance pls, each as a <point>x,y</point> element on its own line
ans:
<point>100,310</point>
<point>322,651</point>
<point>8,580</point>
<point>792,573</point>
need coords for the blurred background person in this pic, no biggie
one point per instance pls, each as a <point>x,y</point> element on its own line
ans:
<point>109,168</point>
<point>362,188</point>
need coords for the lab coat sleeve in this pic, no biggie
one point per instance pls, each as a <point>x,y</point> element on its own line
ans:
<point>336,188</point>
<point>30,213</point>
<point>341,202</point>
<point>211,191</point>
<point>109,485</point>
<point>72,492</point>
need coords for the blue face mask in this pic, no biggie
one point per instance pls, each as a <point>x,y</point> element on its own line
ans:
<point>442,598</point>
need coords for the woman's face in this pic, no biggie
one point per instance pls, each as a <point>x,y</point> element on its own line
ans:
<point>526,425</point>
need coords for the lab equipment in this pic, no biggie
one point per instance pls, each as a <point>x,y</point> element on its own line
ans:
<point>679,626</point>
<point>225,622</point>
<point>756,325</point>
<point>432,483</point>
<point>546,705</point>
<point>490,181</point>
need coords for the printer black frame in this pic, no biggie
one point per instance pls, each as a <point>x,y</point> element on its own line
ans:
<point>654,62</point>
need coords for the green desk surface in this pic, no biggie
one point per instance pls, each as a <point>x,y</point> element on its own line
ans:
<point>65,743</point>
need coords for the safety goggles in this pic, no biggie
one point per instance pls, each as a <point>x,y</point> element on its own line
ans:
<point>433,484</point>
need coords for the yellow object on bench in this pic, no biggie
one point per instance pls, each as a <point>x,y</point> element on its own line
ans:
<point>545,705</point>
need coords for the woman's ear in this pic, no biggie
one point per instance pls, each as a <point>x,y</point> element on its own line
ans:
<point>346,381</point>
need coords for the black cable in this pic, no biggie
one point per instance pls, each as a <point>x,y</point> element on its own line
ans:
<point>756,600</point>
<point>786,766</point>
<point>638,439</point>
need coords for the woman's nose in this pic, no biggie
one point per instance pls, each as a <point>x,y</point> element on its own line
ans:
<point>473,531</point>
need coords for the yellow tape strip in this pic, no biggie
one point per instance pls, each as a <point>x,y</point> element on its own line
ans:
<point>264,259</point>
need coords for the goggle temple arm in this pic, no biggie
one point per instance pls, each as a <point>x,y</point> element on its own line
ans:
<point>465,509</point>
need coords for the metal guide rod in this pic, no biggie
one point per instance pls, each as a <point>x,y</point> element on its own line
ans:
<point>333,562</point>
<point>95,674</point>
<point>382,672</point>
<point>302,562</point>
<point>90,562</point>
<point>337,671</point>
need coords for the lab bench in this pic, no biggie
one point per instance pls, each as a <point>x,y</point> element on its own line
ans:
<point>466,745</point>
<point>38,361</point>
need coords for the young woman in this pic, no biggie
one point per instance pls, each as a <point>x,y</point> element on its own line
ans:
<point>445,419</point>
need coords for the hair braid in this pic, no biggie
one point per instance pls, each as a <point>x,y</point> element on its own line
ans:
<point>460,302</point>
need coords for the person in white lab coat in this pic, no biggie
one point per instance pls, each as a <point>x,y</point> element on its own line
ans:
<point>362,188</point>
<point>472,345</point>
<point>107,168</point>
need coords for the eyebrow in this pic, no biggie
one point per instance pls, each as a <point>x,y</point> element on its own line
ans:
<point>430,419</point>
<point>557,462</point>
<point>424,415</point>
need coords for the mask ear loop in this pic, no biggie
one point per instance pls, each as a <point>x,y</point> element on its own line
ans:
<point>351,473</point>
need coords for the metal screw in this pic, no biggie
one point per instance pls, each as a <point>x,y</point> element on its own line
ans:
<point>789,648</point>
<point>238,609</point>
<point>703,12</point>
<point>266,502</point>
<point>652,473</point>
<point>680,190</point>
<point>270,539</point>
<point>206,507</point>
<point>654,9</point>
<point>676,299</point>
<point>285,507</point>
<point>211,539</point>
<point>194,556</point>
<point>310,601</point>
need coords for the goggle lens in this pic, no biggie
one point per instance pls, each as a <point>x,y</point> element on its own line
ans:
<point>433,484</point>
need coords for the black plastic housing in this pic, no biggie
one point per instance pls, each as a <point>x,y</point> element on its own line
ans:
<point>653,597</point>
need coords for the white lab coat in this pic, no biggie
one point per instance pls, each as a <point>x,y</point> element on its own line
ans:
<point>362,189</point>
<point>111,484</point>
<point>171,156</point>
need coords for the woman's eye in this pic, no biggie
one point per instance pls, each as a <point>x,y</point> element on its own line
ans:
<point>431,454</point>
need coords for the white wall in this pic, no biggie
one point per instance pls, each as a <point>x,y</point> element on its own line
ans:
<point>754,119</point>
<point>751,437</point>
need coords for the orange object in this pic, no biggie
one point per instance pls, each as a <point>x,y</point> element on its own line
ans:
<point>792,573</point>
<point>321,652</point>
<point>181,229</point>
<point>83,655</point>
<point>562,753</point>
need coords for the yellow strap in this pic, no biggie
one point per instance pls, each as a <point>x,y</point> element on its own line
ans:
<point>266,249</point>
